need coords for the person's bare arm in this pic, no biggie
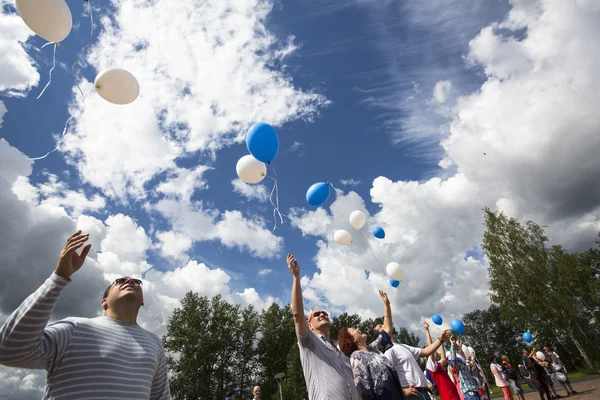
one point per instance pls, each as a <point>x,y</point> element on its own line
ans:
<point>388,325</point>
<point>297,303</point>
<point>433,346</point>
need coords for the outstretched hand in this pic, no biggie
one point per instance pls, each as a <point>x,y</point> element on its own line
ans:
<point>293,265</point>
<point>384,297</point>
<point>425,325</point>
<point>445,335</point>
<point>69,261</point>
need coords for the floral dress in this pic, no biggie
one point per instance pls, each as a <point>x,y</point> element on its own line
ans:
<point>374,376</point>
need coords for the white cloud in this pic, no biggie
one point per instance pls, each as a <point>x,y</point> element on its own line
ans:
<point>57,193</point>
<point>17,71</point>
<point>315,223</point>
<point>2,112</point>
<point>231,228</point>
<point>297,147</point>
<point>175,245</point>
<point>183,182</point>
<point>264,272</point>
<point>441,91</point>
<point>251,192</point>
<point>197,97</point>
<point>350,182</point>
<point>535,118</point>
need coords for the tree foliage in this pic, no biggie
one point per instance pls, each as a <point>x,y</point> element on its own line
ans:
<point>543,289</point>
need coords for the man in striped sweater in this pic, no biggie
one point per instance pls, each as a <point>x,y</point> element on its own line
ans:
<point>108,357</point>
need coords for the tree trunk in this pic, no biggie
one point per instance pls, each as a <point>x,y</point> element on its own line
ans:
<point>581,349</point>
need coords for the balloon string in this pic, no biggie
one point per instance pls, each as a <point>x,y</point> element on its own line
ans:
<point>338,192</point>
<point>81,53</point>
<point>385,273</point>
<point>53,66</point>
<point>374,256</point>
<point>61,137</point>
<point>275,204</point>
<point>57,145</point>
<point>415,304</point>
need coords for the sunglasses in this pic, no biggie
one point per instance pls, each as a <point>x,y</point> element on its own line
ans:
<point>317,314</point>
<point>121,281</point>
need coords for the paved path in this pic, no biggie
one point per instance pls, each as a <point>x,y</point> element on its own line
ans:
<point>588,389</point>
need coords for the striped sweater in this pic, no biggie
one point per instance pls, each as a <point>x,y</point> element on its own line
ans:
<point>97,358</point>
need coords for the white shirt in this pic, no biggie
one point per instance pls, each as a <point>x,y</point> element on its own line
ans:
<point>404,359</point>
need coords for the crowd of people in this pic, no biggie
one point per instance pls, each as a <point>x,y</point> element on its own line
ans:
<point>112,357</point>
<point>349,368</point>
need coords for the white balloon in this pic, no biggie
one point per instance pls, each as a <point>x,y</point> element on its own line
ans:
<point>467,352</point>
<point>395,271</point>
<point>358,219</point>
<point>250,170</point>
<point>49,19</point>
<point>342,237</point>
<point>117,86</point>
<point>540,355</point>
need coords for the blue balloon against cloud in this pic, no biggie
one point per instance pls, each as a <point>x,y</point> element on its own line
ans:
<point>394,283</point>
<point>437,319</point>
<point>457,326</point>
<point>317,194</point>
<point>527,337</point>
<point>262,142</point>
<point>378,232</point>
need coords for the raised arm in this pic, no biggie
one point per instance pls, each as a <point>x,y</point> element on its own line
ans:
<point>25,340</point>
<point>297,303</point>
<point>388,324</point>
<point>432,347</point>
<point>443,358</point>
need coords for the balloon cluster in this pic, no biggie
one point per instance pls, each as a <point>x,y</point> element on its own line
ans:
<point>358,219</point>
<point>263,144</point>
<point>456,324</point>
<point>52,20</point>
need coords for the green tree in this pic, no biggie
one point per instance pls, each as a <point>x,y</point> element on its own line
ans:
<point>294,385</point>
<point>538,288</point>
<point>190,344</point>
<point>344,320</point>
<point>490,335</point>
<point>246,352</point>
<point>406,337</point>
<point>278,335</point>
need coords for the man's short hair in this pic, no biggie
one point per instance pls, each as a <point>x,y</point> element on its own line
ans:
<point>229,393</point>
<point>106,294</point>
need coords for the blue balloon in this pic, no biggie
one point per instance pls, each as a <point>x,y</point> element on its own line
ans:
<point>527,337</point>
<point>378,232</point>
<point>262,142</point>
<point>437,319</point>
<point>394,283</point>
<point>317,194</point>
<point>457,326</point>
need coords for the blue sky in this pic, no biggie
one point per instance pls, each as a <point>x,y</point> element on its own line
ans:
<point>403,97</point>
<point>357,55</point>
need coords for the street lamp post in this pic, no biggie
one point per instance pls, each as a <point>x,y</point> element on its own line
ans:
<point>278,377</point>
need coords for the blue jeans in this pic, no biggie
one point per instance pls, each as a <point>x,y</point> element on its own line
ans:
<point>471,396</point>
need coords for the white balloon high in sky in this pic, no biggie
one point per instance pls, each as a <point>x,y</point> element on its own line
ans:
<point>250,170</point>
<point>358,219</point>
<point>117,86</point>
<point>395,271</point>
<point>49,19</point>
<point>342,237</point>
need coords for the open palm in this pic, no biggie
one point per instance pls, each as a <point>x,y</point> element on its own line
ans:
<point>68,260</point>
